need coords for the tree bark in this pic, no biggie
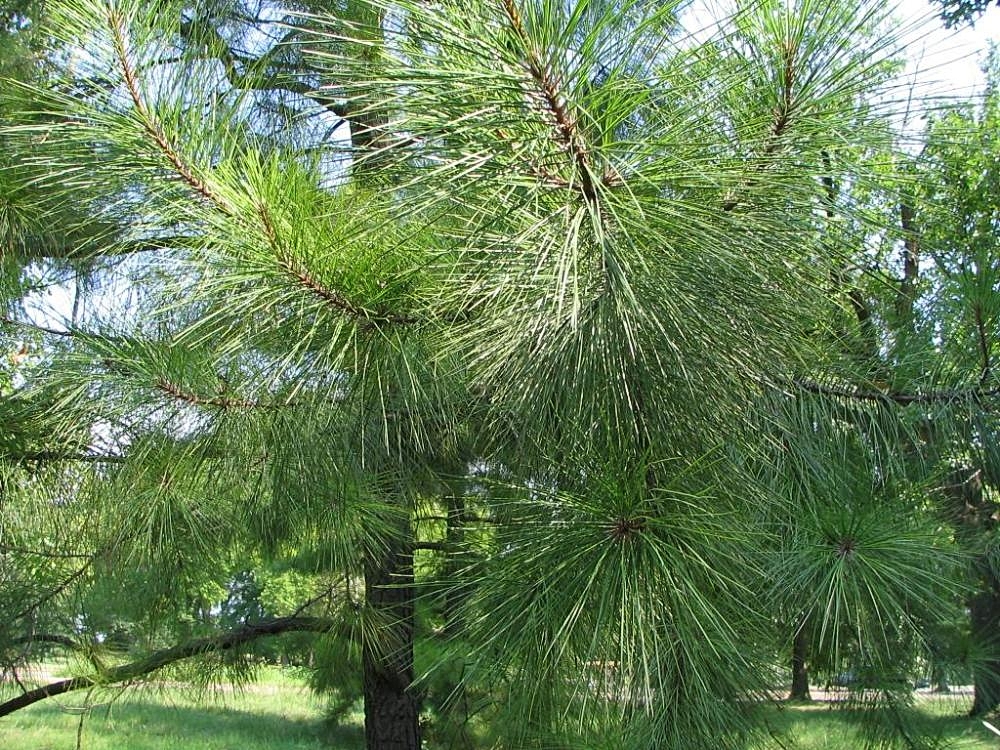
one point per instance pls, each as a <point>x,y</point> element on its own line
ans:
<point>392,711</point>
<point>975,517</point>
<point>454,596</point>
<point>984,614</point>
<point>800,670</point>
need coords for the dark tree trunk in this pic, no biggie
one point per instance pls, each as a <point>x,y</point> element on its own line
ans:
<point>392,711</point>
<point>975,518</point>
<point>454,596</point>
<point>984,613</point>
<point>800,670</point>
<point>939,679</point>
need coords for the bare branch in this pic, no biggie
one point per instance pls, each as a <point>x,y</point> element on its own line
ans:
<point>10,322</point>
<point>897,397</point>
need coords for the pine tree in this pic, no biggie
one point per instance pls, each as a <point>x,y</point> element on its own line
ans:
<point>552,271</point>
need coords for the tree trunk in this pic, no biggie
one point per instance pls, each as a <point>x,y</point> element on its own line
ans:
<point>454,596</point>
<point>392,710</point>
<point>984,613</point>
<point>800,671</point>
<point>975,518</point>
<point>939,679</point>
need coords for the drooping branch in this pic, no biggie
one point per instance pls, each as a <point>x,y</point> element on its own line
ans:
<point>164,657</point>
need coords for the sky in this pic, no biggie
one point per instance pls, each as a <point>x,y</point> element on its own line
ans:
<point>941,62</point>
<point>947,61</point>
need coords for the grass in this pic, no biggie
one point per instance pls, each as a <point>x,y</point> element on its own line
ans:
<point>279,713</point>
<point>276,713</point>
<point>820,726</point>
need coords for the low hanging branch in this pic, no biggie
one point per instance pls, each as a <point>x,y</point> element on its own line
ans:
<point>164,657</point>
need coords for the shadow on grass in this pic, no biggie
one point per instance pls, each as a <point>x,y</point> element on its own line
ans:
<point>824,725</point>
<point>152,723</point>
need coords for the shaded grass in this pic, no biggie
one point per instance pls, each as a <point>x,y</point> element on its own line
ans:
<point>281,715</point>
<point>820,726</point>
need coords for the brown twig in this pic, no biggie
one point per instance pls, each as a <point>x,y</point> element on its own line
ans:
<point>307,280</point>
<point>223,402</point>
<point>567,130</point>
<point>8,321</point>
<point>119,33</point>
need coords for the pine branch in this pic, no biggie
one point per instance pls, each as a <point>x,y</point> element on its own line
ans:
<point>188,175</point>
<point>165,657</point>
<point>49,596</point>
<point>309,281</point>
<point>53,639</point>
<point>45,456</point>
<point>8,548</point>
<point>786,105</point>
<point>781,122</point>
<point>10,322</point>
<point>119,33</point>
<point>222,402</point>
<point>555,105</point>
<point>897,397</point>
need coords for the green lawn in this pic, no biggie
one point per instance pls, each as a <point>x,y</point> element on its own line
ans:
<point>818,726</point>
<point>279,713</point>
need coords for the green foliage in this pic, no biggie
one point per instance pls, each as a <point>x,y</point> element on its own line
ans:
<point>584,295</point>
<point>958,12</point>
